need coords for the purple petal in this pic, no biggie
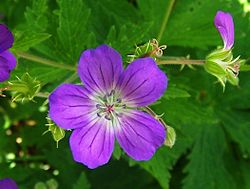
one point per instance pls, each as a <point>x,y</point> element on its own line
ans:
<point>93,144</point>
<point>4,69</point>
<point>8,183</point>
<point>70,106</point>
<point>11,59</point>
<point>142,83</point>
<point>100,68</point>
<point>225,25</point>
<point>6,38</point>
<point>7,64</point>
<point>140,135</point>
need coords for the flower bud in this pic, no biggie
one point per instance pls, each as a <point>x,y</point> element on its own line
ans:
<point>222,65</point>
<point>171,137</point>
<point>24,88</point>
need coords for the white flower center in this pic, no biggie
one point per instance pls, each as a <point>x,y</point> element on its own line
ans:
<point>110,106</point>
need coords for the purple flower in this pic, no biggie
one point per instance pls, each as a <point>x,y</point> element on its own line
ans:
<point>225,25</point>
<point>8,183</point>
<point>106,107</point>
<point>7,59</point>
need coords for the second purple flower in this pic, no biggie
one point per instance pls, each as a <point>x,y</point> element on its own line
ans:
<point>106,107</point>
<point>8,183</point>
<point>7,59</point>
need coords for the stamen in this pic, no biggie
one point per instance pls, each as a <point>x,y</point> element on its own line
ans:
<point>112,92</point>
<point>98,106</point>
<point>110,106</point>
<point>99,114</point>
<point>107,117</point>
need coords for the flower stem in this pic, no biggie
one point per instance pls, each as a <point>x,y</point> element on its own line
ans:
<point>153,114</point>
<point>44,61</point>
<point>166,18</point>
<point>181,62</point>
<point>42,95</point>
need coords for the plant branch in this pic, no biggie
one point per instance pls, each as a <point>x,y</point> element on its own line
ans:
<point>44,61</point>
<point>181,62</point>
<point>166,18</point>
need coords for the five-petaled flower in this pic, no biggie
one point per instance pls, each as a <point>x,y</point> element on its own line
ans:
<point>106,107</point>
<point>7,59</point>
<point>8,183</point>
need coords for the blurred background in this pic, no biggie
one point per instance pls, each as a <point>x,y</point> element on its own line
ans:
<point>213,127</point>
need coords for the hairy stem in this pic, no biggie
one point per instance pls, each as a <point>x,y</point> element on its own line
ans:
<point>166,18</point>
<point>44,61</point>
<point>152,113</point>
<point>181,62</point>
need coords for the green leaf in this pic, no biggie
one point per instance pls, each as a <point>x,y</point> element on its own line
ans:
<point>238,128</point>
<point>25,40</point>
<point>159,167</point>
<point>82,182</point>
<point>245,68</point>
<point>182,29</point>
<point>72,31</point>
<point>117,151</point>
<point>206,169</point>
<point>35,15</point>
<point>191,32</point>
<point>175,92</point>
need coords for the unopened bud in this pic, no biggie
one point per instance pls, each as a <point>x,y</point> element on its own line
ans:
<point>171,137</point>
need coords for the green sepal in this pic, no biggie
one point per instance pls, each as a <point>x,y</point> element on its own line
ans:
<point>220,54</point>
<point>232,79</point>
<point>141,51</point>
<point>214,68</point>
<point>222,65</point>
<point>24,88</point>
<point>149,49</point>
<point>57,132</point>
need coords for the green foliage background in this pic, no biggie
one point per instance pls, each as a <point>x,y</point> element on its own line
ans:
<point>213,128</point>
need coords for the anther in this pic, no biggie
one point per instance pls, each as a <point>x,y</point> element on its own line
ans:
<point>118,114</point>
<point>98,106</point>
<point>107,117</point>
<point>112,92</point>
